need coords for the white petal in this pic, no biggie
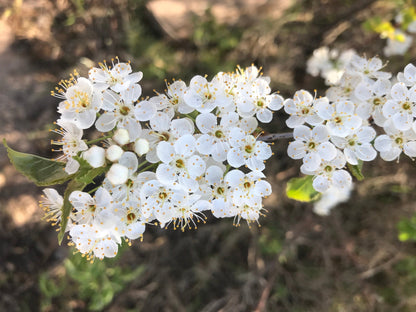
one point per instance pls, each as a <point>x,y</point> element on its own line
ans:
<point>311,161</point>
<point>264,115</point>
<point>165,174</point>
<point>342,179</point>
<point>144,111</point>
<point>327,151</point>
<point>296,150</point>
<point>383,143</point>
<point>165,152</point>
<point>236,137</point>
<point>130,161</point>
<point>181,127</point>
<point>234,178</point>
<point>214,174</point>
<point>160,122</point>
<point>235,157</point>
<point>321,183</point>
<point>366,152</point>
<point>276,102</point>
<point>320,133</point>
<point>185,145</point>
<point>196,166</point>
<point>262,188</point>
<point>399,91</point>
<point>409,148</point>
<point>206,122</point>
<point>294,121</point>
<point>262,150</point>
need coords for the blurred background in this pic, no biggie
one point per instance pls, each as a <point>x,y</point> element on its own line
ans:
<point>351,260</point>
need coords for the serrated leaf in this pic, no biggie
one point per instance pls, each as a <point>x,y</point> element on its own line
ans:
<point>301,189</point>
<point>74,185</point>
<point>356,170</point>
<point>42,171</point>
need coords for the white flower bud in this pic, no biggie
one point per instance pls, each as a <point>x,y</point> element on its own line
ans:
<point>95,156</point>
<point>141,146</point>
<point>113,153</point>
<point>121,136</point>
<point>118,174</point>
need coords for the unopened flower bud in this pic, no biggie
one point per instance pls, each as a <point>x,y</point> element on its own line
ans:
<point>121,136</point>
<point>141,146</point>
<point>95,156</point>
<point>113,153</point>
<point>118,174</point>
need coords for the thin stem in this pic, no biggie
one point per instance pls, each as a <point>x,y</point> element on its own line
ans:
<point>94,189</point>
<point>142,164</point>
<point>148,167</point>
<point>99,139</point>
<point>276,136</point>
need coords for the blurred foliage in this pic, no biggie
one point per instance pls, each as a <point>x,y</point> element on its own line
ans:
<point>95,283</point>
<point>301,189</point>
<point>407,229</point>
<point>211,45</point>
<point>214,42</point>
<point>388,28</point>
<point>156,57</point>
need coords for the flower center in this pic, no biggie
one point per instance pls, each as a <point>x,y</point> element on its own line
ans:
<point>220,190</point>
<point>305,111</point>
<point>399,141</point>
<point>174,101</point>
<point>129,183</point>
<point>338,120</point>
<point>208,96</point>
<point>377,101</point>
<point>260,103</point>
<point>180,163</point>
<point>131,217</point>
<point>406,106</point>
<point>247,185</point>
<point>92,208</point>
<point>164,136</point>
<point>248,149</point>
<point>163,195</point>
<point>124,110</point>
<point>328,168</point>
<point>311,145</point>
<point>351,142</point>
<point>219,134</point>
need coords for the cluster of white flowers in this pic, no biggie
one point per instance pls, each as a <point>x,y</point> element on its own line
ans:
<point>329,64</point>
<point>340,128</point>
<point>170,158</point>
<point>167,159</point>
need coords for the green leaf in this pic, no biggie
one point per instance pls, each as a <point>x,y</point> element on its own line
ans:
<point>356,170</point>
<point>301,189</point>
<point>407,229</point>
<point>41,171</point>
<point>74,185</point>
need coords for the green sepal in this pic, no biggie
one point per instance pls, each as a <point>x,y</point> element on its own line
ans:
<point>356,170</point>
<point>86,174</point>
<point>42,171</point>
<point>301,189</point>
<point>72,186</point>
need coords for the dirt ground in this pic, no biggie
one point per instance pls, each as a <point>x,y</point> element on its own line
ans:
<point>350,260</point>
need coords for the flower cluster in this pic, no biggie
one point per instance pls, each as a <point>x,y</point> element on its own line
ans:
<point>329,64</point>
<point>167,159</point>
<point>340,128</point>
